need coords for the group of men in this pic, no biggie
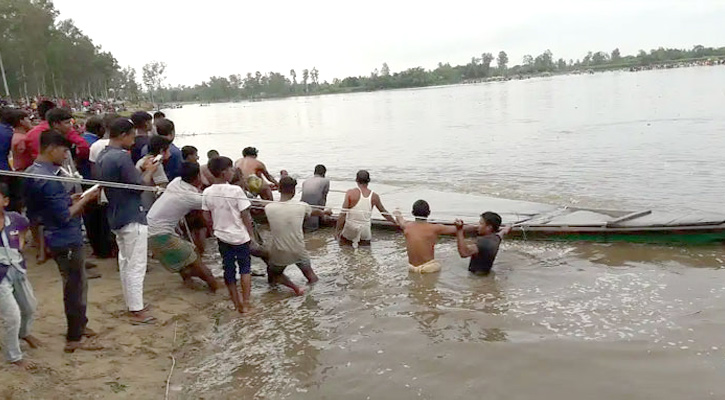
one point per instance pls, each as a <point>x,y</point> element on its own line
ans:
<point>128,217</point>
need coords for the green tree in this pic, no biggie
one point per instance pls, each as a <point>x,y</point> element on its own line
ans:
<point>486,59</point>
<point>616,56</point>
<point>503,60</point>
<point>305,78</point>
<point>153,76</point>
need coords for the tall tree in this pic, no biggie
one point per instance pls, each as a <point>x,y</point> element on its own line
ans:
<point>503,60</point>
<point>305,78</point>
<point>616,56</point>
<point>293,74</point>
<point>315,76</point>
<point>153,76</point>
<point>486,59</point>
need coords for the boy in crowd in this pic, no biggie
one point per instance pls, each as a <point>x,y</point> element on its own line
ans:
<point>126,216</point>
<point>483,253</point>
<point>17,301</point>
<point>165,128</point>
<point>288,245</point>
<point>206,176</point>
<point>158,146</point>
<point>174,253</point>
<point>52,205</point>
<point>143,126</point>
<point>190,154</point>
<point>227,208</point>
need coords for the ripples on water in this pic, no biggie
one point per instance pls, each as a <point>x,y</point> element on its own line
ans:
<point>368,328</point>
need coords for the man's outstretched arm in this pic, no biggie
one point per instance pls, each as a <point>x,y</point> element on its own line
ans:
<point>465,250</point>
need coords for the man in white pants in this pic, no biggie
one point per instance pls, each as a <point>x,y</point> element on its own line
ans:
<point>126,215</point>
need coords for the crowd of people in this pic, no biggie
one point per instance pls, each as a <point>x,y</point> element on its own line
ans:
<point>156,197</point>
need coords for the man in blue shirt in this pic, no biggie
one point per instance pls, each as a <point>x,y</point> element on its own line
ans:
<point>6,138</point>
<point>50,203</point>
<point>172,167</point>
<point>126,215</point>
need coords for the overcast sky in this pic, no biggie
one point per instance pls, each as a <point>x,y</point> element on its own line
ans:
<point>203,38</point>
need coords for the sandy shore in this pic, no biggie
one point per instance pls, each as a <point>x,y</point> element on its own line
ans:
<point>135,361</point>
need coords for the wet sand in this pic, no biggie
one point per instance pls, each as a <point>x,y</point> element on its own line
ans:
<point>135,362</point>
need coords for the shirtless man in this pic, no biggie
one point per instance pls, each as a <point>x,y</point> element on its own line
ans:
<point>354,225</point>
<point>253,169</point>
<point>421,237</point>
<point>206,177</point>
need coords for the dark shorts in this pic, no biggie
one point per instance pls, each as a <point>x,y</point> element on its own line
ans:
<point>233,256</point>
<point>303,265</point>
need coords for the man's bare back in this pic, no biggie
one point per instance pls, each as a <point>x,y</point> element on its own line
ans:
<point>420,240</point>
<point>250,166</point>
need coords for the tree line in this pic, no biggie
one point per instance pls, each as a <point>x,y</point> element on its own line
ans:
<point>259,85</point>
<point>42,55</point>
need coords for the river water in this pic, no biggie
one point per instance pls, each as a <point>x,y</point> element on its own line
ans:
<point>557,320</point>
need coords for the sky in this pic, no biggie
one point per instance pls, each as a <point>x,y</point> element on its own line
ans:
<point>342,38</point>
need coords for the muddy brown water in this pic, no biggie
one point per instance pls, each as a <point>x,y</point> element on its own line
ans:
<point>556,320</point>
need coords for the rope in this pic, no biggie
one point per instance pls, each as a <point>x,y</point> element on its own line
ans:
<point>173,360</point>
<point>158,190</point>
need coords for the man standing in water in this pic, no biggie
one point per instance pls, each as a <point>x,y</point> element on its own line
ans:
<point>483,253</point>
<point>354,226</point>
<point>288,246</point>
<point>421,237</point>
<point>254,171</point>
<point>314,193</point>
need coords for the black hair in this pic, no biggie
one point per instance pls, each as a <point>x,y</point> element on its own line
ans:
<point>492,219</point>
<point>58,115</point>
<point>95,126</point>
<point>4,190</point>
<point>217,165</point>
<point>120,127</point>
<point>362,177</point>
<point>189,171</point>
<point>44,107</point>
<point>250,151</point>
<point>108,120</point>
<point>186,151</point>
<point>287,184</point>
<point>140,118</point>
<point>159,115</point>
<point>211,154</point>
<point>320,170</point>
<point>13,116</point>
<point>158,145</point>
<point>421,209</point>
<point>53,138</point>
<point>165,127</point>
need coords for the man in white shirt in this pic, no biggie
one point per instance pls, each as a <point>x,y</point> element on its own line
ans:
<point>177,255</point>
<point>288,245</point>
<point>227,207</point>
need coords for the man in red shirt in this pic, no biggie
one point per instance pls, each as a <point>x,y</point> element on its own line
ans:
<point>32,139</point>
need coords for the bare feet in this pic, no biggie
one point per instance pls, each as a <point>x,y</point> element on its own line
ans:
<point>299,291</point>
<point>32,341</point>
<point>25,364</point>
<point>70,347</point>
<point>243,308</point>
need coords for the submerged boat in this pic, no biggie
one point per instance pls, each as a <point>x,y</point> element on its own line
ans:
<point>605,226</point>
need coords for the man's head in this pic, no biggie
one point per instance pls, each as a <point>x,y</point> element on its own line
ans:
<point>158,115</point>
<point>362,177</point>
<point>320,170</point>
<point>190,173</point>
<point>211,154</point>
<point>44,107</point>
<point>16,118</point>
<point>108,120</point>
<point>490,223</point>
<point>122,132</point>
<point>165,128</point>
<point>4,195</point>
<point>421,209</point>
<point>142,121</point>
<point>221,168</point>
<point>54,146</point>
<point>60,119</point>
<point>159,145</point>
<point>250,152</point>
<point>287,185</point>
<point>95,126</point>
<point>190,154</point>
